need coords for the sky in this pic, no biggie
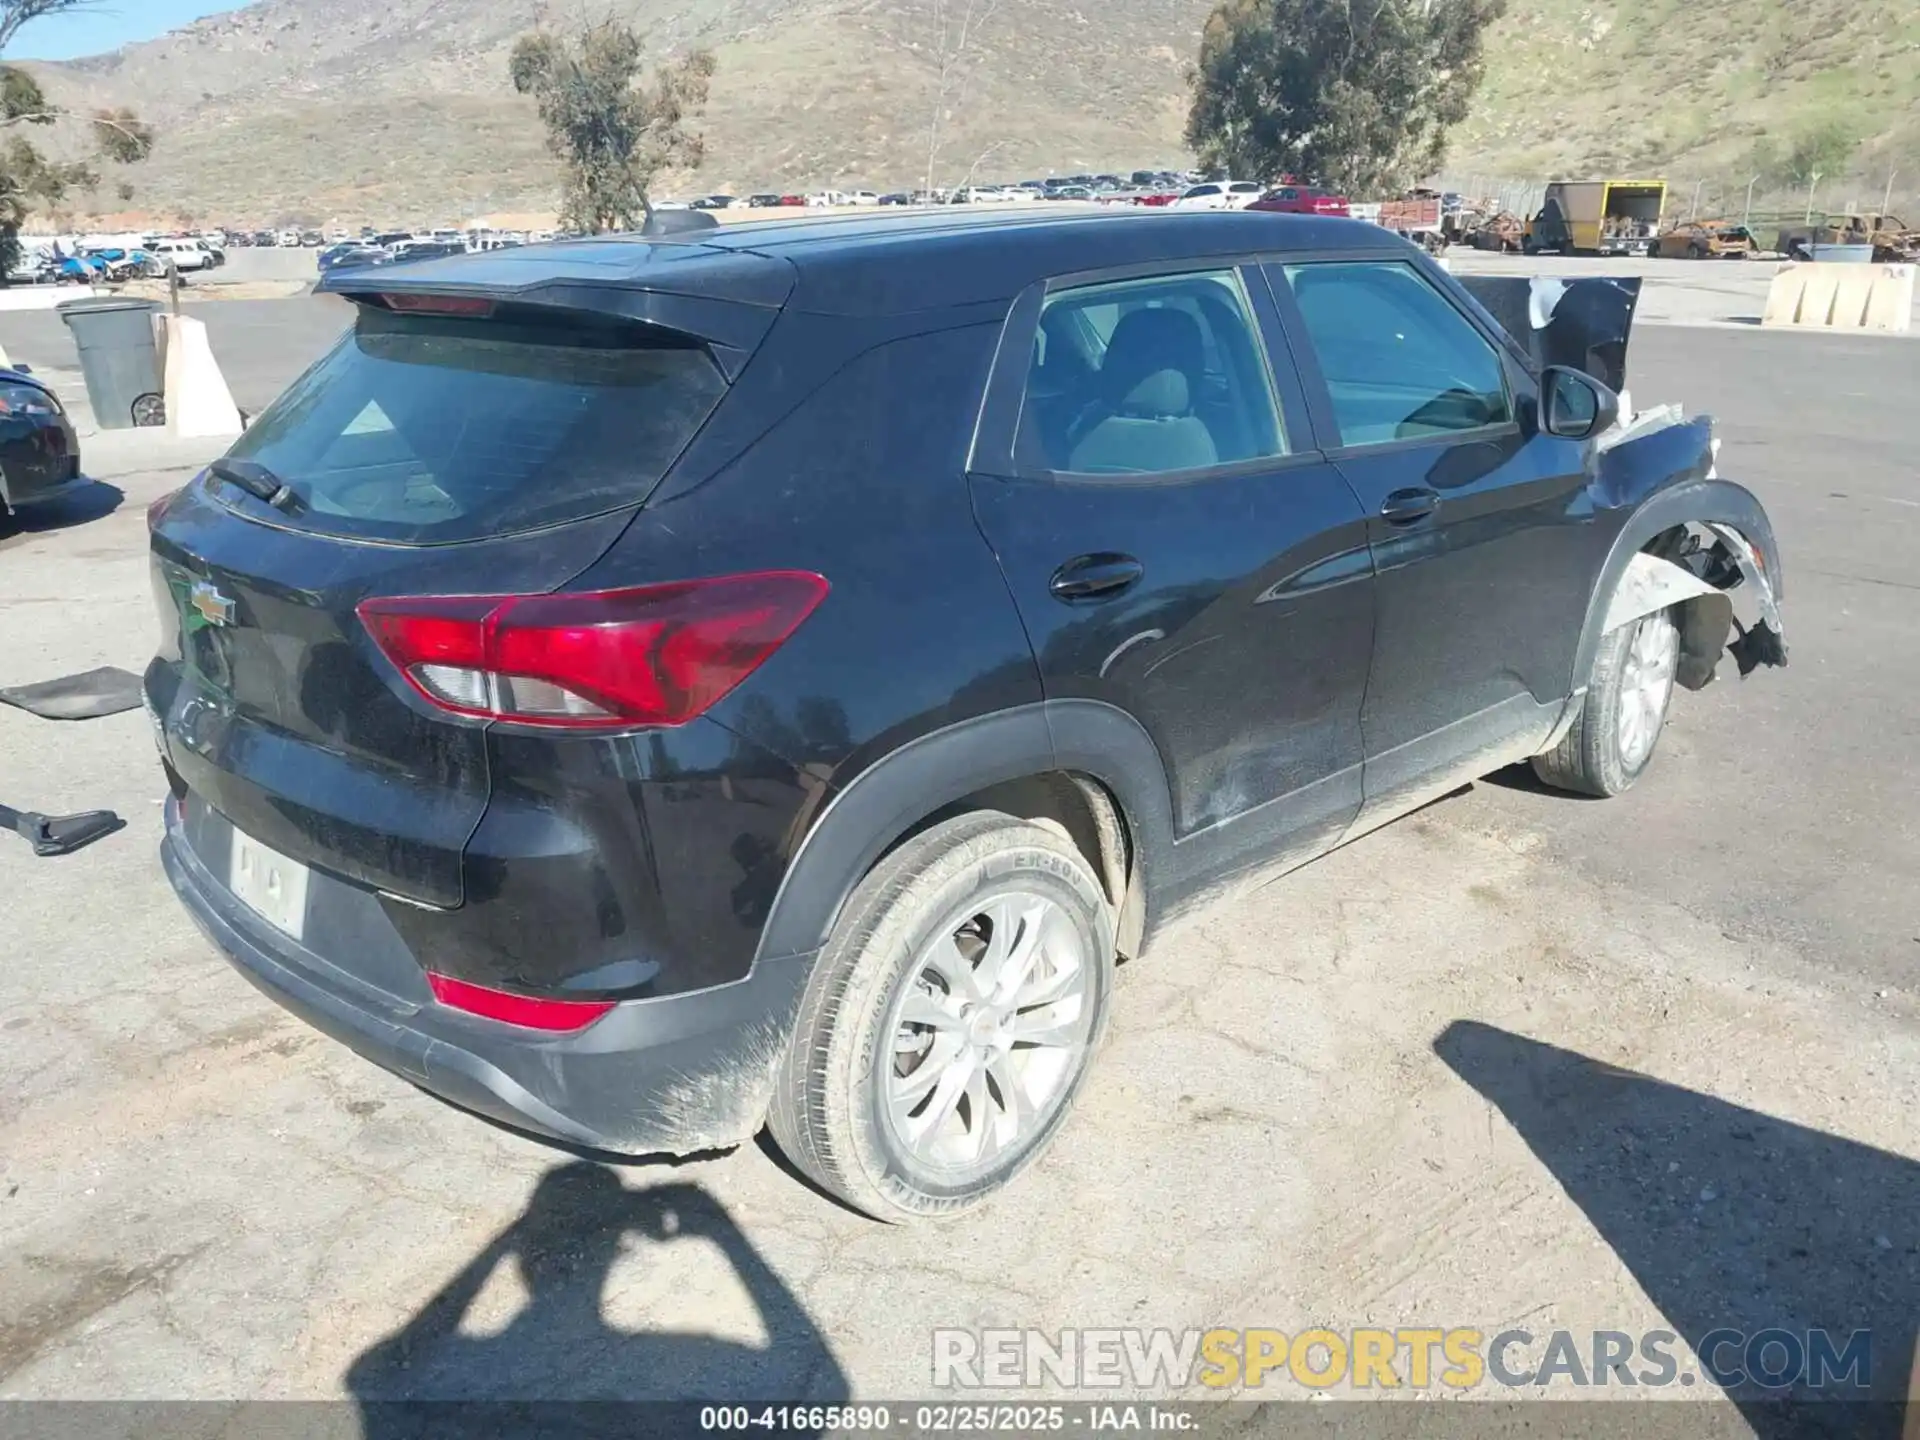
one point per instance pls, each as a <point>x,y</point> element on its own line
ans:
<point>94,28</point>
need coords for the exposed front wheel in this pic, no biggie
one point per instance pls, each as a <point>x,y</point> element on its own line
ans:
<point>1613,738</point>
<point>950,1020</point>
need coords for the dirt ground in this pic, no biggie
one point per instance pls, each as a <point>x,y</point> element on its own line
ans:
<point>1517,1061</point>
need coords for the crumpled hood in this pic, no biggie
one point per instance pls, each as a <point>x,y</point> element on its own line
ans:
<point>1582,323</point>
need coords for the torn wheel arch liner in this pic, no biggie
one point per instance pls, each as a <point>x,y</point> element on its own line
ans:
<point>1731,512</point>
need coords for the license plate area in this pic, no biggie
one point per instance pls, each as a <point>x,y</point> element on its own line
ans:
<point>269,884</point>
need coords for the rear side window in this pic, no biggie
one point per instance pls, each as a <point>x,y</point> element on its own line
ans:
<point>1399,361</point>
<point>434,429</point>
<point>1148,377</point>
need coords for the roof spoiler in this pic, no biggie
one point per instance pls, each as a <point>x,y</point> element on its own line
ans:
<point>1585,324</point>
<point>725,300</point>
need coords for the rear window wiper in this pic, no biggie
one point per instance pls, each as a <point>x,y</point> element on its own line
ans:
<point>258,481</point>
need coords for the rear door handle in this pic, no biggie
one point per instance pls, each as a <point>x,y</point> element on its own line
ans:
<point>1095,577</point>
<point>1403,507</point>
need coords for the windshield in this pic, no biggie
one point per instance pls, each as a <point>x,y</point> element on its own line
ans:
<point>432,430</point>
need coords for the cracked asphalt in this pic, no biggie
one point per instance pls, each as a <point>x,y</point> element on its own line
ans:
<point>1516,1060</point>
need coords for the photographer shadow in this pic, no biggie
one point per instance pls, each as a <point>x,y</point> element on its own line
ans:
<point>557,1367</point>
<point>1732,1222</point>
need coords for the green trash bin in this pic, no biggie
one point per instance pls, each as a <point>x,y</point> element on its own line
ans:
<point>117,357</point>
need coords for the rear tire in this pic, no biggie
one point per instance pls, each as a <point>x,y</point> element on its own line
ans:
<point>1612,740</point>
<point>915,1086</point>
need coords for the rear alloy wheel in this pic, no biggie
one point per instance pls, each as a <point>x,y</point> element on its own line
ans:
<point>1614,736</point>
<point>950,1020</point>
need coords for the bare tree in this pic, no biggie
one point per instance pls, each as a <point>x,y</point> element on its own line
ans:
<point>946,34</point>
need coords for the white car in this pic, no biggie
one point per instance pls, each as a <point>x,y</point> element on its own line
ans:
<point>183,255</point>
<point>1220,195</point>
<point>864,197</point>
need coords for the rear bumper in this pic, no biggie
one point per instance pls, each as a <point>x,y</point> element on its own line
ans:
<point>37,463</point>
<point>674,1075</point>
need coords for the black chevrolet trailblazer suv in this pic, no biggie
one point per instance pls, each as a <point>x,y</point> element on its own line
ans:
<point>648,689</point>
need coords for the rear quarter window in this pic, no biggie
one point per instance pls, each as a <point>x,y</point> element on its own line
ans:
<point>433,429</point>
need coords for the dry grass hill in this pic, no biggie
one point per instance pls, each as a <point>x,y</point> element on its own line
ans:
<point>399,109</point>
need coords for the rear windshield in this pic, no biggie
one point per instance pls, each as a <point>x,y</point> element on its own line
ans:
<point>433,430</point>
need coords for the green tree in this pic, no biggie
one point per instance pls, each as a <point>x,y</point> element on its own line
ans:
<point>612,129</point>
<point>1359,94</point>
<point>1825,149</point>
<point>29,179</point>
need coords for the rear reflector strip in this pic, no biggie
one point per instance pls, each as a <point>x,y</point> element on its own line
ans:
<point>554,1016</point>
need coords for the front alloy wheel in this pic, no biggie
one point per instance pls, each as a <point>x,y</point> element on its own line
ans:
<point>1612,739</point>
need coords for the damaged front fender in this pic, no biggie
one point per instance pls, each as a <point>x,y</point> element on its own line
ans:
<point>1661,559</point>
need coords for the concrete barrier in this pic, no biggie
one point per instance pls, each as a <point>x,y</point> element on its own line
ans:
<point>198,401</point>
<point>1842,297</point>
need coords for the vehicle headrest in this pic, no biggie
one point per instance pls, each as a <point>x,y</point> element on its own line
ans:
<point>1158,396</point>
<point>1147,344</point>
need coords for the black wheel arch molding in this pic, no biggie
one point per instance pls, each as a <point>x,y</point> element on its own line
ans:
<point>896,794</point>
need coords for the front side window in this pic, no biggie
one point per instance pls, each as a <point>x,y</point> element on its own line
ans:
<point>1200,192</point>
<point>1399,361</point>
<point>1148,377</point>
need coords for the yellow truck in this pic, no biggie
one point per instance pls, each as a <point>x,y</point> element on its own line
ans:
<point>1597,217</point>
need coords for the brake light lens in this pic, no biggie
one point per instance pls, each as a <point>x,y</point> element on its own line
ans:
<point>509,1009</point>
<point>654,655</point>
<point>472,305</point>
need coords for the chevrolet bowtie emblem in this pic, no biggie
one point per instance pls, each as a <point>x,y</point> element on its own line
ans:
<point>214,608</point>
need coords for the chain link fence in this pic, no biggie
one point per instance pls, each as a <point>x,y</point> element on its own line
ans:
<point>1745,198</point>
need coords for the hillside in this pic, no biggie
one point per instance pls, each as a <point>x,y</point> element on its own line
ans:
<point>399,109</point>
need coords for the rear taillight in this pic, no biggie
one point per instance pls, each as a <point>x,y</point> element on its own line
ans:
<point>605,659</point>
<point>525,1011</point>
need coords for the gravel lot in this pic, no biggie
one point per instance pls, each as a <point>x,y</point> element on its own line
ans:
<point>1519,1059</point>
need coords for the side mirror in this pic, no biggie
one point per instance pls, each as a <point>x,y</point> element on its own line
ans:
<point>1574,405</point>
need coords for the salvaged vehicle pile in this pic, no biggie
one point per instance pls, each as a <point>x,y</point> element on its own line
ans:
<point>770,677</point>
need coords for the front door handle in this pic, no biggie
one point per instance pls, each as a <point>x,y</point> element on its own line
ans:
<point>1403,507</point>
<point>1095,577</point>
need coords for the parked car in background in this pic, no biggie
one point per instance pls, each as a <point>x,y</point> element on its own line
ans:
<point>796,201</point>
<point>411,250</point>
<point>312,239</point>
<point>183,255</point>
<point>389,238</point>
<point>897,197</point>
<point>1307,200</point>
<point>1219,195</point>
<point>714,202</point>
<point>39,451</point>
<point>763,202</point>
<point>350,255</point>
<point>1706,240</point>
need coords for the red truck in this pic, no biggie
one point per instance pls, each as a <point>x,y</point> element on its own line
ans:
<point>1289,198</point>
